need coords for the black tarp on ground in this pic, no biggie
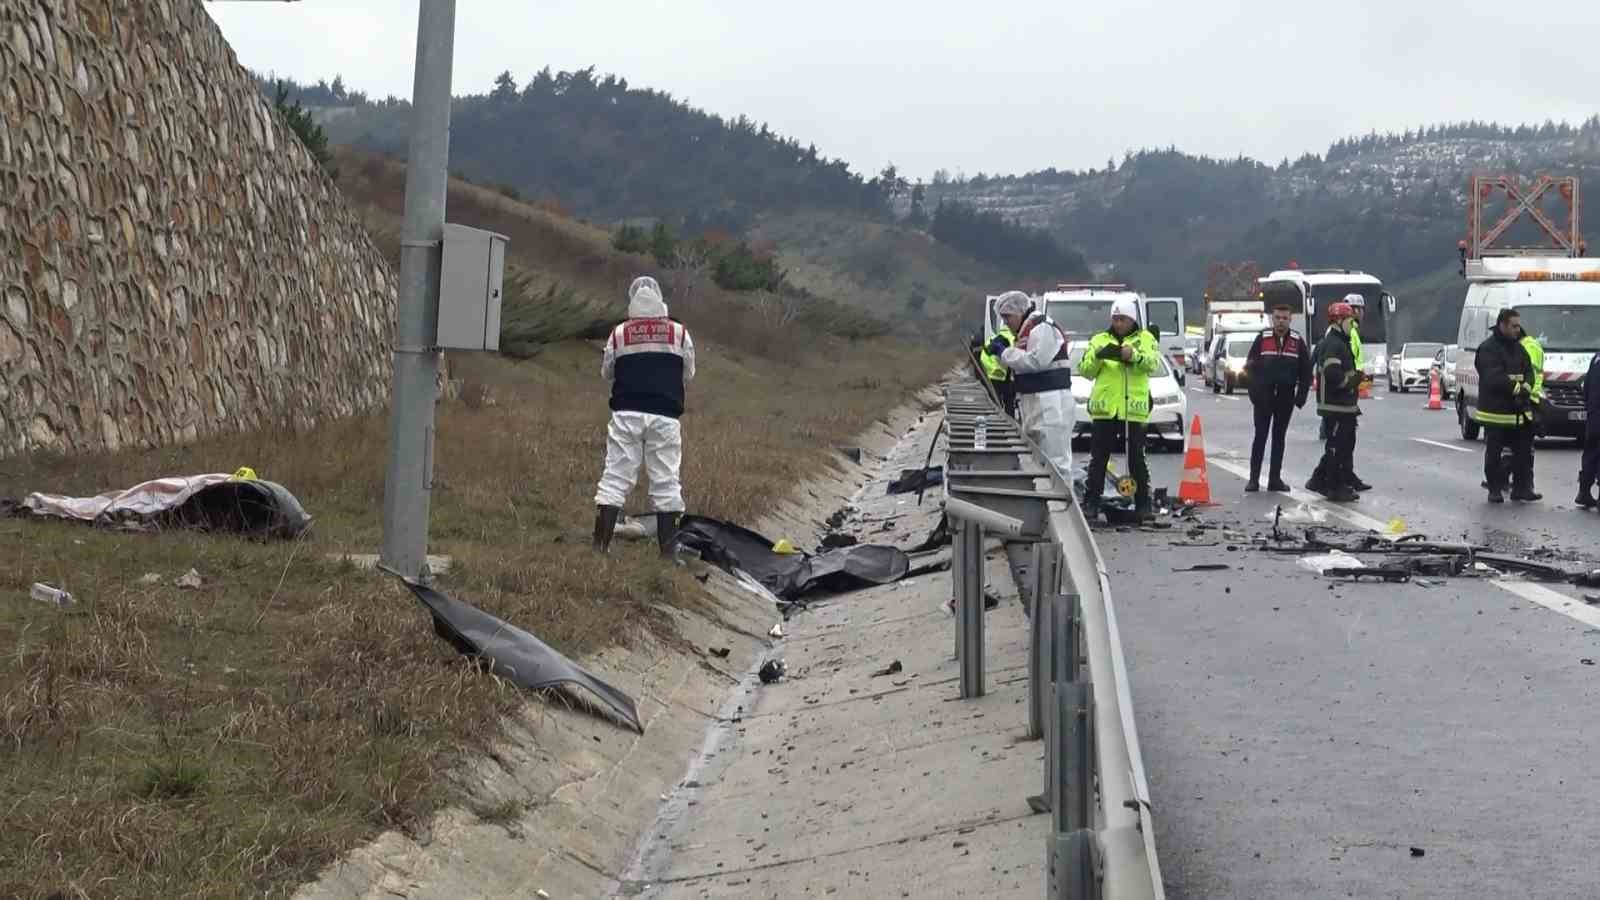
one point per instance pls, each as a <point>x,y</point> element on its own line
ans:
<point>515,654</point>
<point>917,480</point>
<point>789,575</point>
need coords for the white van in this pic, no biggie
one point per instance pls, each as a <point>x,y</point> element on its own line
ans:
<point>1559,300</point>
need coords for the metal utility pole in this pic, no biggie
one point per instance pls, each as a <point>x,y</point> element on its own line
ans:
<point>409,481</point>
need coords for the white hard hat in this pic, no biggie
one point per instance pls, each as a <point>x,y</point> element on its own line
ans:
<point>1355,300</point>
<point>1125,307</point>
<point>1013,303</point>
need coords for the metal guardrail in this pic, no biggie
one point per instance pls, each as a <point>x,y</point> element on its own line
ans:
<point>1102,841</point>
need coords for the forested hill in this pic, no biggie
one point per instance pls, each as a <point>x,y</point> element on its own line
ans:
<point>611,151</point>
<point>1392,204</point>
<point>630,158</point>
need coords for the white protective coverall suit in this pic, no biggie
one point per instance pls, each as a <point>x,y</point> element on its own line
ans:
<point>649,361</point>
<point>1044,388</point>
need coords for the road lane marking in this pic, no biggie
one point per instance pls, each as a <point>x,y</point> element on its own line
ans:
<point>1548,598</point>
<point>1552,600</point>
<point>1349,515</point>
<point>1444,445</point>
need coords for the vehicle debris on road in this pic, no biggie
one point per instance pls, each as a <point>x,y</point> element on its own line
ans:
<point>772,671</point>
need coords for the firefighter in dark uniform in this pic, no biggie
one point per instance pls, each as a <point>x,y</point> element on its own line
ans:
<point>1506,408</point>
<point>1338,402</point>
<point>1278,369</point>
<point>1591,436</point>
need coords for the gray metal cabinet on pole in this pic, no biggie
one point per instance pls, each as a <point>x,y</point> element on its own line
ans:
<point>409,480</point>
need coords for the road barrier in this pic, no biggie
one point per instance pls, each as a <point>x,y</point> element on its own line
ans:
<point>1102,840</point>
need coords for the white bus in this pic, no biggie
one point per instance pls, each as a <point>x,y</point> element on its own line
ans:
<point>1311,291</point>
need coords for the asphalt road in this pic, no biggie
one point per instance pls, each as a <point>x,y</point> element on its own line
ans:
<point>1302,735</point>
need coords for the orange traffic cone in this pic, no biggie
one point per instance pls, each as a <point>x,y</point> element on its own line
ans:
<point>1195,487</point>
<point>1435,396</point>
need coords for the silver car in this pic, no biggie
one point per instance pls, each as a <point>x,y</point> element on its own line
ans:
<point>1444,362</point>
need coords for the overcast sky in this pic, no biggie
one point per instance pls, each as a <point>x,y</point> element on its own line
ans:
<point>1000,86</point>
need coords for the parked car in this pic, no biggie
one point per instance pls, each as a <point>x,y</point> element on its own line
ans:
<point>1200,360</point>
<point>1409,368</point>
<point>1169,405</point>
<point>1228,351</point>
<point>1444,363</point>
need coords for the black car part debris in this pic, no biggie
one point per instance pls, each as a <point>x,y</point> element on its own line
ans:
<point>937,538</point>
<point>1205,567</point>
<point>789,575</point>
<point>1539,570</point>
<point>917,480</point>
<point>515,654</point>
<point>772,671</point>
<point>835,540</point>
<point>893,668</point>
<point>1385,573</point>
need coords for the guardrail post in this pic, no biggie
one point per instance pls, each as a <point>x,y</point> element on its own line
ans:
<point>969,611</point>
<point>1070,756</point>
<point>1046,581</point>
<point>1041,663</point>
<point>958,577</point>
<point>1055,663</point>
<point>1070,864</point>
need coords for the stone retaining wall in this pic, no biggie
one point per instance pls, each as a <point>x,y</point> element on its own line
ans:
<point>173,263</point>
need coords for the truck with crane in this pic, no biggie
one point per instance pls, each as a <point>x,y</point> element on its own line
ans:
<point>1554,287</point>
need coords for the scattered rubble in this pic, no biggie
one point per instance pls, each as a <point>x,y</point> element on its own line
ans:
<point>772,671</point>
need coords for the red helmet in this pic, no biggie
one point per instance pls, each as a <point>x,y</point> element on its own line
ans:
<point>1340,310</point>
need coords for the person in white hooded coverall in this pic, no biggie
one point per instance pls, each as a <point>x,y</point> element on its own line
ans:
<point>649,361</point>
<point>1044,378</point>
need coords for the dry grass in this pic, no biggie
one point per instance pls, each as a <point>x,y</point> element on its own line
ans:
<point>231,741</point>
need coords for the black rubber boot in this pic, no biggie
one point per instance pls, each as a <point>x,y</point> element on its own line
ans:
<point>666,529</point>
<point>1142,510</point>
<point>1526,495</point>
<point>605,525</point>
<point>1277,485</point>
<point>1356,484</point>
<point>1586,498</point>
<point>1495,496</point>
<point>1091,509</point>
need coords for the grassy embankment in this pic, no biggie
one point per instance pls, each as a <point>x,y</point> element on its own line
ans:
<point>233,740</point>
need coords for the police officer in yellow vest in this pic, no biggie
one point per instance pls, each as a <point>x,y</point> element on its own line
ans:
<point>1535,356</point>
<point>995,370</point>
<point>1121,360</point>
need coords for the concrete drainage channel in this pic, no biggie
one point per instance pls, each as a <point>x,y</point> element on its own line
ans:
<point>1102,842</point>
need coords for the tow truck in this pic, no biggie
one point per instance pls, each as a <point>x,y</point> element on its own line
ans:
<point>1554,287</point>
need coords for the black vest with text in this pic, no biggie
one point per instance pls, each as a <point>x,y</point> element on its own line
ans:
<point>648,373</point>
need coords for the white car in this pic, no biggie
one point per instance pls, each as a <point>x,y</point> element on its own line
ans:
<point>1411,366</point>
<point>1169,405</point>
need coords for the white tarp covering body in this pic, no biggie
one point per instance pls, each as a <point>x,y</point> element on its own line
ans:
<point>212,502</point>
